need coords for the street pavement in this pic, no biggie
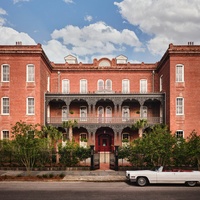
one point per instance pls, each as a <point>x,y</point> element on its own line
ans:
<point>93,176</point>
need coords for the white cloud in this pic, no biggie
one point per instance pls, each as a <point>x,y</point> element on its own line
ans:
<point>88,18</point>
<point>17,1</point>
<point>2,12</point>
<point>55,51</point>
<point>2,19</point>
<point>97,38</point>
<point>10,36</point>
<point>68,1</point>
<point>166,21</point>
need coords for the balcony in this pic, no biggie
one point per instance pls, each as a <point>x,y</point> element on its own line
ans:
<point>96,120</point>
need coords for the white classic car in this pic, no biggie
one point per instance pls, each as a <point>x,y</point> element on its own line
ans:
<point>144,177</point>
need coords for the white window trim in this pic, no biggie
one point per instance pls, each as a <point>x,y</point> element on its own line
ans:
<point>182,73</point>
<point>86,85</point>
<point>67,86</point>
<point>27,74</point>
<point>126,84</point>
<point>177,106</point>
<point>142,81</point>
<point>2,73</point>
<point>27,106</point>
<point>108,88</point>
<point>124,116</point>
<point>98,85</point>
<point>126,134</point>
<point>3,106</point>
<point>2,134</point>
<point>48,84</point>
<point>161,83</point>
<point>83,115</point>
<point>178,131</point>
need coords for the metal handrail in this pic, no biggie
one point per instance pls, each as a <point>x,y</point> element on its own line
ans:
<point>98,120</point>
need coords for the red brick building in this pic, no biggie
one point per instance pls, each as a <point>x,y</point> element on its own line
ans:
<point>105,97</point>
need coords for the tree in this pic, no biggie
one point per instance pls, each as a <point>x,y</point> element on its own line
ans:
<point>180,153</point>
<point>154,149</point>
<point>72,153</point>
<point>140,125</point>
<point>193,145</point>
<point>53,135</point>
<point>26,147</point>
<point>68,125</point>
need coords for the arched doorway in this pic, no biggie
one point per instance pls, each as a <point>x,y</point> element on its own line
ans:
<point>104,144</point>
<point>104,140</point>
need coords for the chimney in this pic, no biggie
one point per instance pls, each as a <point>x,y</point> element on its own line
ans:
<point>190,43</point>
<point>18,43</point>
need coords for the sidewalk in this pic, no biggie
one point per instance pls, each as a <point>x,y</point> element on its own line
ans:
<point>97,175</point>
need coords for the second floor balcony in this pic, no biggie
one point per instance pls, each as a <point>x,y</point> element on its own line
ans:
<point>104,121</point>
<point>102,110</point>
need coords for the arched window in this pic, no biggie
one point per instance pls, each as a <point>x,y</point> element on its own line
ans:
<point>108,86</point>
<point>100,85</point>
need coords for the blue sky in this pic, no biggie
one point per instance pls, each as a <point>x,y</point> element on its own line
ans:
<point>139,29</point>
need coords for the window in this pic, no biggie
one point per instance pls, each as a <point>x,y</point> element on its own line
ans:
<point>125,113</point>
<point>179,134</point>
<point>125,86</point>
<point>5,73</point>
<point>30,106</point>
<point>143,112</point>
<point>100,85</point>
<point>108,114</point>
<point>179,106</point>
<point>125,136</point>
<point>48,83</point>
<point>5,102</point>
<point>161,83</point>
<point>125,139</point>
<point>83,113</point>
<point>83,137</point>
<point>100,114</point>
<point>65,86</point>
<point>108,85</point>
<point>83,140</point>
<point>5,134</point>
<point>143,86</point>
<point>83,86</point>
<point>30,74</point>
<point>30,134</point>
<point>179,73</point>
<point>64,113</point>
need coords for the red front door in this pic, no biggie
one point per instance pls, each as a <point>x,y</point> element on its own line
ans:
<point>104,142</point>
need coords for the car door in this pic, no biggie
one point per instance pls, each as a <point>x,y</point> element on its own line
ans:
<point>166,177</point>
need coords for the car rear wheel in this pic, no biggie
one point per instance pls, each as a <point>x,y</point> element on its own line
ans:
<point>191,183</point>
<point>142,181</point>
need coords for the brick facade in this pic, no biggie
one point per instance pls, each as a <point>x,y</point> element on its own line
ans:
<point>104,113</point>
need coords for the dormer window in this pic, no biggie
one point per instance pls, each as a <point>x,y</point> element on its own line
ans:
<point>71,59</point>
<point>121,59</point>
